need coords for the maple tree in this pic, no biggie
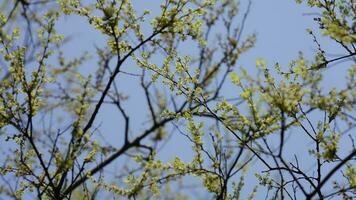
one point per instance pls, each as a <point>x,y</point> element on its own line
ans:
<point>184,57</point>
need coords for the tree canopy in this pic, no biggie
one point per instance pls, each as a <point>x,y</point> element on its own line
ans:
<point>180,60</point>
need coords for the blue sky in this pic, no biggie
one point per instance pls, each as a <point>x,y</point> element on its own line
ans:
<point>280,26</point>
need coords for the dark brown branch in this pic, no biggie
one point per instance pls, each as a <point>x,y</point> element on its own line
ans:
<point>331,173</point>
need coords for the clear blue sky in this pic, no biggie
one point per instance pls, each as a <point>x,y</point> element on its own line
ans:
<point>281,33</point>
